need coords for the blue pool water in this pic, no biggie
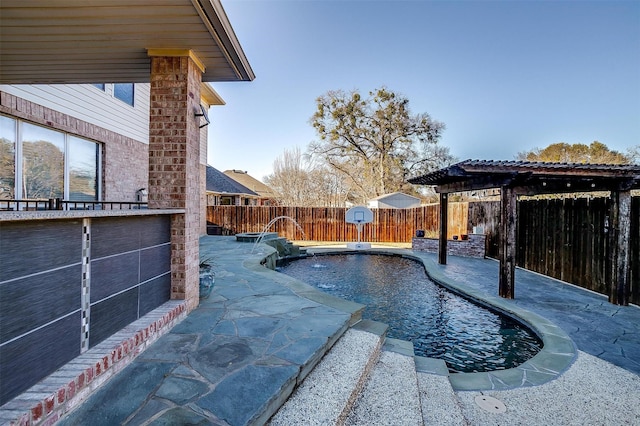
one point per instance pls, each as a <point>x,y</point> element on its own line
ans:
<point>440,324</point>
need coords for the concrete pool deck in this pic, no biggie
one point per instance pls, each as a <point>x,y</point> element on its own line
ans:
<point>238,357</point>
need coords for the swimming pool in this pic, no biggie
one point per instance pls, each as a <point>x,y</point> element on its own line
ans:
<point>440,324</point>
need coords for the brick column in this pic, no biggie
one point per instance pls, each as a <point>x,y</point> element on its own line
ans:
<point>174,154</point>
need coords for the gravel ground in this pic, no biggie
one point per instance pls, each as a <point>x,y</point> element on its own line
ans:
<point>390,396</point>
<point>591,392</point>
<point>333,381</point>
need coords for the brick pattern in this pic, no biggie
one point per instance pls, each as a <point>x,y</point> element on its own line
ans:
<point>125,166</point>
<point>124,160</point>
<point>473,247</point>
<point>48,401</point>
<point>174,164</point>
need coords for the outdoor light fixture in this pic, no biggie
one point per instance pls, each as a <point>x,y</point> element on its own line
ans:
<point>204,114</point>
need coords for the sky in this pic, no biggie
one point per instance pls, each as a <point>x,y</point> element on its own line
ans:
<point>503,76</point>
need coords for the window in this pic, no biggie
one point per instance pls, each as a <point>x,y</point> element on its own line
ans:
<point>226,201</point>
<point>37,162</point>
<point>83,169</point>
<point>7,157</point>
<point>124,92</point>
<point>42,162</point>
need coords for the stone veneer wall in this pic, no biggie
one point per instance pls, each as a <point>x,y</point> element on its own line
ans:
<point>473,247</point>
<point>124,160</point>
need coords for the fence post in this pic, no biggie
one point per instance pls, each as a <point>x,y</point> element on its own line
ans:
<point>508,221</point>
<point>442,242</point>
<point>620,245</point>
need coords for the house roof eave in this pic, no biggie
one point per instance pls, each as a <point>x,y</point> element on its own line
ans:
<point>68,42</point>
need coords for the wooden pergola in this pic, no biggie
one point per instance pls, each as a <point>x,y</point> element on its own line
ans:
<point>516,178</point>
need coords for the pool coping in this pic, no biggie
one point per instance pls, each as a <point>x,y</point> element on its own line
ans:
<point>556,356</point>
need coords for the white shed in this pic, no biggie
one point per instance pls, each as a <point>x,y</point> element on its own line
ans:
<point>395,200</point>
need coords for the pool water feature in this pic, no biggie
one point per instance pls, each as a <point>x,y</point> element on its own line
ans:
<point>439,323</point>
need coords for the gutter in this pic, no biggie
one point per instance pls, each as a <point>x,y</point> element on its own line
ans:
<point>215,19</point>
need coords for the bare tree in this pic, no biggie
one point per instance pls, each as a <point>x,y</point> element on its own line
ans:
<point>300,181</point>
<point>375,143</point>
<point>633,154</point>
<point>289,178</point>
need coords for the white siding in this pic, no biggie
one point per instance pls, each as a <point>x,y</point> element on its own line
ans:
<point>203,145</point>
<point>395,201</point>
<point>88,103</point>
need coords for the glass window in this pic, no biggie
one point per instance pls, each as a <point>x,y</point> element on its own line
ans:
<point>42,162</point>
<point>83,170</point>
<point>37,162</point>
<point>124,92</point>
<point>100,86</point>
<point>7,157</point>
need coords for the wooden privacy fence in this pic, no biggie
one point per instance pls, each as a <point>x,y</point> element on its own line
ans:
<point>561,238</point>
<point>328,224</point>
<point>565,239</point>
<point>569,239</point>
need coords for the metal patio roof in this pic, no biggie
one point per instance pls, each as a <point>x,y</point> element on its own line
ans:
<point>531,177</point>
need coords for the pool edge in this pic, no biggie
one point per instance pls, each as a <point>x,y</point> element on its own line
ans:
<point>558,350</point>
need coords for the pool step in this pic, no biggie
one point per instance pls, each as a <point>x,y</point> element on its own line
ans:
<point>367,379</point>
<point>328,393</point>
<point>440,405</point>
<point>407,390</point>
<point>390,396</point>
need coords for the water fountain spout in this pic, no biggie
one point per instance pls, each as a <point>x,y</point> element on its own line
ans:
<point>271,222</point>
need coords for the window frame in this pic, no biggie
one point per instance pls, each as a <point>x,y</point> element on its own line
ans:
<point>110,90</point>
<point>133,93</point>
<point>19,158</point>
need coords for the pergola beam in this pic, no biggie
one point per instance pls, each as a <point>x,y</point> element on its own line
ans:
<point>508,225</point>
<point>444,219</point>
<point>620,247</point>
<point>478,183</point>
<point>530,178</point>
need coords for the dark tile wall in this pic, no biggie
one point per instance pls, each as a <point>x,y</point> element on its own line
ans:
<point>113,236</point>
<point>30,247</point>
<point>33,301</point>
<point>41,286</point>
<point>154,293</point>
<point>112,315</point>
<point>27,360</point>
<point>126,254</point>
<point>113,274</point>
<point>155,261</point>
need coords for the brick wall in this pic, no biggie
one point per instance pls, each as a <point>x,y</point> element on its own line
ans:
<point>125,165</point>
<point>124,160</point>
<point>174,165</point>
<point>473,247</point>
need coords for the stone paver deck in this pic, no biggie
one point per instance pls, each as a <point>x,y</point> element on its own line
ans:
<point>234,359</point>
<point>237,357</point>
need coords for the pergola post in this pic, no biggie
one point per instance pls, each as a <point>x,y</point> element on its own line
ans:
<point>508,223</point>
<point>619,247</point>
<point>174,169</point>
<point>442,241</point>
